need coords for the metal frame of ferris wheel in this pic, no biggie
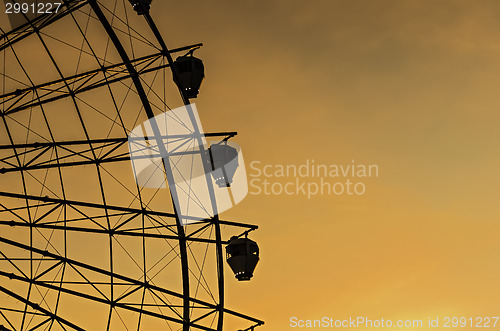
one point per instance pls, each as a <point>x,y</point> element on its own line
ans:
<point>84,151</point>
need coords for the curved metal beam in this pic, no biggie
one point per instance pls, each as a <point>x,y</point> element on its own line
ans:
<point>215,219</point>
<point>37,307</point>
<point>149,112</point>
<point>7,39</point>
<point>20,99</point>
<point>132,281</point>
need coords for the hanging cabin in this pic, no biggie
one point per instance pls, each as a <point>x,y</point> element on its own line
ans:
<point>190,73</point>
<point>242,256</point>
<point>141,6</point>
<point>224,160</point>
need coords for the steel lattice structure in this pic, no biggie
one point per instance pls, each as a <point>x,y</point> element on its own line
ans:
<point>82,246</point>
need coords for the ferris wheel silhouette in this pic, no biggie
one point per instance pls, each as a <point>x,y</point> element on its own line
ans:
<point>84,242</point>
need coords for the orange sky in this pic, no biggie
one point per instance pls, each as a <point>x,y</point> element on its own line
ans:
<point>408,85</point>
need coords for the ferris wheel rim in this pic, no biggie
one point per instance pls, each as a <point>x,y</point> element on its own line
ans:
<point>187,298</point>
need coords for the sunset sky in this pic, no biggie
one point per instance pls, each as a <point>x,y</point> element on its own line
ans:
<point>410,86</point>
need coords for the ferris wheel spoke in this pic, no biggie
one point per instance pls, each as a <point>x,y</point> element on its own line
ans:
<point>113,149</point>
<point>11,262</point>
<point>98,299</point>
<point>12,102</point>
<point>201,276</point>
<point>7,320</point>
<point>42,300</point>
<point>165,303</point>
<point>75,189</point>
<point>42,310</point>
<point>80,49</point>
<point>74,204</point>
<point>17,34</point>
<point>125,233</point>
<point>87,267</point>
<point>89,81</point>
<point>214,312</point>
<point>134,36</point>
<point>156,291</point>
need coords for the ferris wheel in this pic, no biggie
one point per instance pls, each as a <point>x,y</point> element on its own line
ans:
<point>86,242</point>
